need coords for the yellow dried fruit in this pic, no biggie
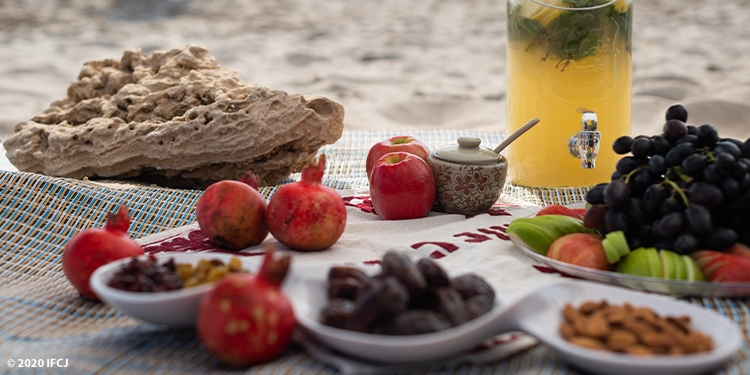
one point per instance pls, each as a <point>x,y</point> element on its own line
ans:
<point>207,271</point>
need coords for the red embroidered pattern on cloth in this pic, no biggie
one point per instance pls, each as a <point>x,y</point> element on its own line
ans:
<point>195,240</point>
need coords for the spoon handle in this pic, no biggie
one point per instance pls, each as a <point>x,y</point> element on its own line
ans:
<point>516,134</point>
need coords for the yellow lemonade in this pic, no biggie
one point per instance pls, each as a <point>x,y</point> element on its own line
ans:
<point>560,63</point>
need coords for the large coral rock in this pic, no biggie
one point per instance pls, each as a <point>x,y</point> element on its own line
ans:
<point>176,118</point>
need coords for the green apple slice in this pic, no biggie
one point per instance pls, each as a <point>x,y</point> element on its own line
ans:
<point>680,268</point>
<point>635,263</point>
<point>537,238</point>
<point>654,262</point>
<point>615,246</point>
<point>673,266</point>
<point>668,266</point>
<point>693,271</point>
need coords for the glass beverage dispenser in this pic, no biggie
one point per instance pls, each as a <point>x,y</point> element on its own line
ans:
<point>569,63</point>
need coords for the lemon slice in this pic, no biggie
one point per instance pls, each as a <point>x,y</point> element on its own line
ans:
<point>622,6</point>
<point>540,13</point>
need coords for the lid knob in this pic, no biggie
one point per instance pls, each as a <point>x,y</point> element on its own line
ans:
<point>469,142</point>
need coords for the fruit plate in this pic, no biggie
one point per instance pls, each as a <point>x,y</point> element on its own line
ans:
<point>674,288</point>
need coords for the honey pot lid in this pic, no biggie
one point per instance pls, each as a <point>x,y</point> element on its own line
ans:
<point>468,151</point>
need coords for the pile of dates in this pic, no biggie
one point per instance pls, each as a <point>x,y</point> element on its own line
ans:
<point>405,298</point>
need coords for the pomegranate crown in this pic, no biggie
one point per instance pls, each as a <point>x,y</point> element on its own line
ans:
<point>274,267</point>
<point>313,173</point>
<point>251,178</point>
<point>118,221</point>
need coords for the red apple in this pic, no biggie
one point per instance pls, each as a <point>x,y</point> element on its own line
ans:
<point>722,267</point>
<point>401,143</point>
<point>556,209</point>
<point>581,249</point>
<point>402,186</point>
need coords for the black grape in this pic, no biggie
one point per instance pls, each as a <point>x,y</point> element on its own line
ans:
<point>653,197</point>
<point>699,219</point>
<point>730,188</point>
<point>707,135</point>
<point>677,112</point>
<point>704,193</point>
<point>617,194</point>
<point>676,155</point>
<point>727,147</point>
<point>594,216</point>
<point>595,195</point>
<point>669,225</point>
<point>657,164</point>
<point>661,145</point>
<point>622,145</point>
<point>725,162</point>
<point>694,165</point>
<point>615,220</point>
<point>642,147</point>
<point>674,130</point>
<point>686,243</point>
<point>627,164</point>
<point>721,239</point>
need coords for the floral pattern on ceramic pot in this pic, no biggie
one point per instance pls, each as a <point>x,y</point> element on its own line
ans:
<point>469,179</point>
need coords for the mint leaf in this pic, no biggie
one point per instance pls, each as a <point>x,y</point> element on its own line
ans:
<point>573,35</point>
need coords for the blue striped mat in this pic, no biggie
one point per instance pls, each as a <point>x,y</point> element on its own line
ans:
<point>42,317</point>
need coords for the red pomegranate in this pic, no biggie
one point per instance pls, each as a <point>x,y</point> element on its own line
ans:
<point>307,215</point>
<point>232,214</point>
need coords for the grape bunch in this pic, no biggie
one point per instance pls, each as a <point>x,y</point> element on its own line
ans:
<point>682,190</point>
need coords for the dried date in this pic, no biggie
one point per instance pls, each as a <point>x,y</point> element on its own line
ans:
<point>347,271</point>
<point>402,268</point>
<point>471,285</point>
<point>405,298</point>
<point>385,299</point>
<point>451,305</point>
<point>344,288</point>
<point>434,275</point>
<point>413,322</point>
<point>337,312</point>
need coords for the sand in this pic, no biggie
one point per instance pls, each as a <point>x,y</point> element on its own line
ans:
<point>393,64</point>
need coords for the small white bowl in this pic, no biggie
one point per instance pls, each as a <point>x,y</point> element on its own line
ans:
<point>176,308</point>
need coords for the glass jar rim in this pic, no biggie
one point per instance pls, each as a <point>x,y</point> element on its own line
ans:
<point>567,8</point>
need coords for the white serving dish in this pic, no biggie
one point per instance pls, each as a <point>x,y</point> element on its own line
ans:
<point>176,308</point>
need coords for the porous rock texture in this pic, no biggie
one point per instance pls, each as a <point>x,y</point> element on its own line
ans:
<point>174,118</point>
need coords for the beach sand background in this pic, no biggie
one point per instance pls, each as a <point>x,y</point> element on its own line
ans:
<point>393,64</point>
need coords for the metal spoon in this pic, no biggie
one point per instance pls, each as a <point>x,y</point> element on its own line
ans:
<point>516,134</point>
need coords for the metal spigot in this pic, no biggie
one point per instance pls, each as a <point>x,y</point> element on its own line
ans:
<point>585,143</point>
